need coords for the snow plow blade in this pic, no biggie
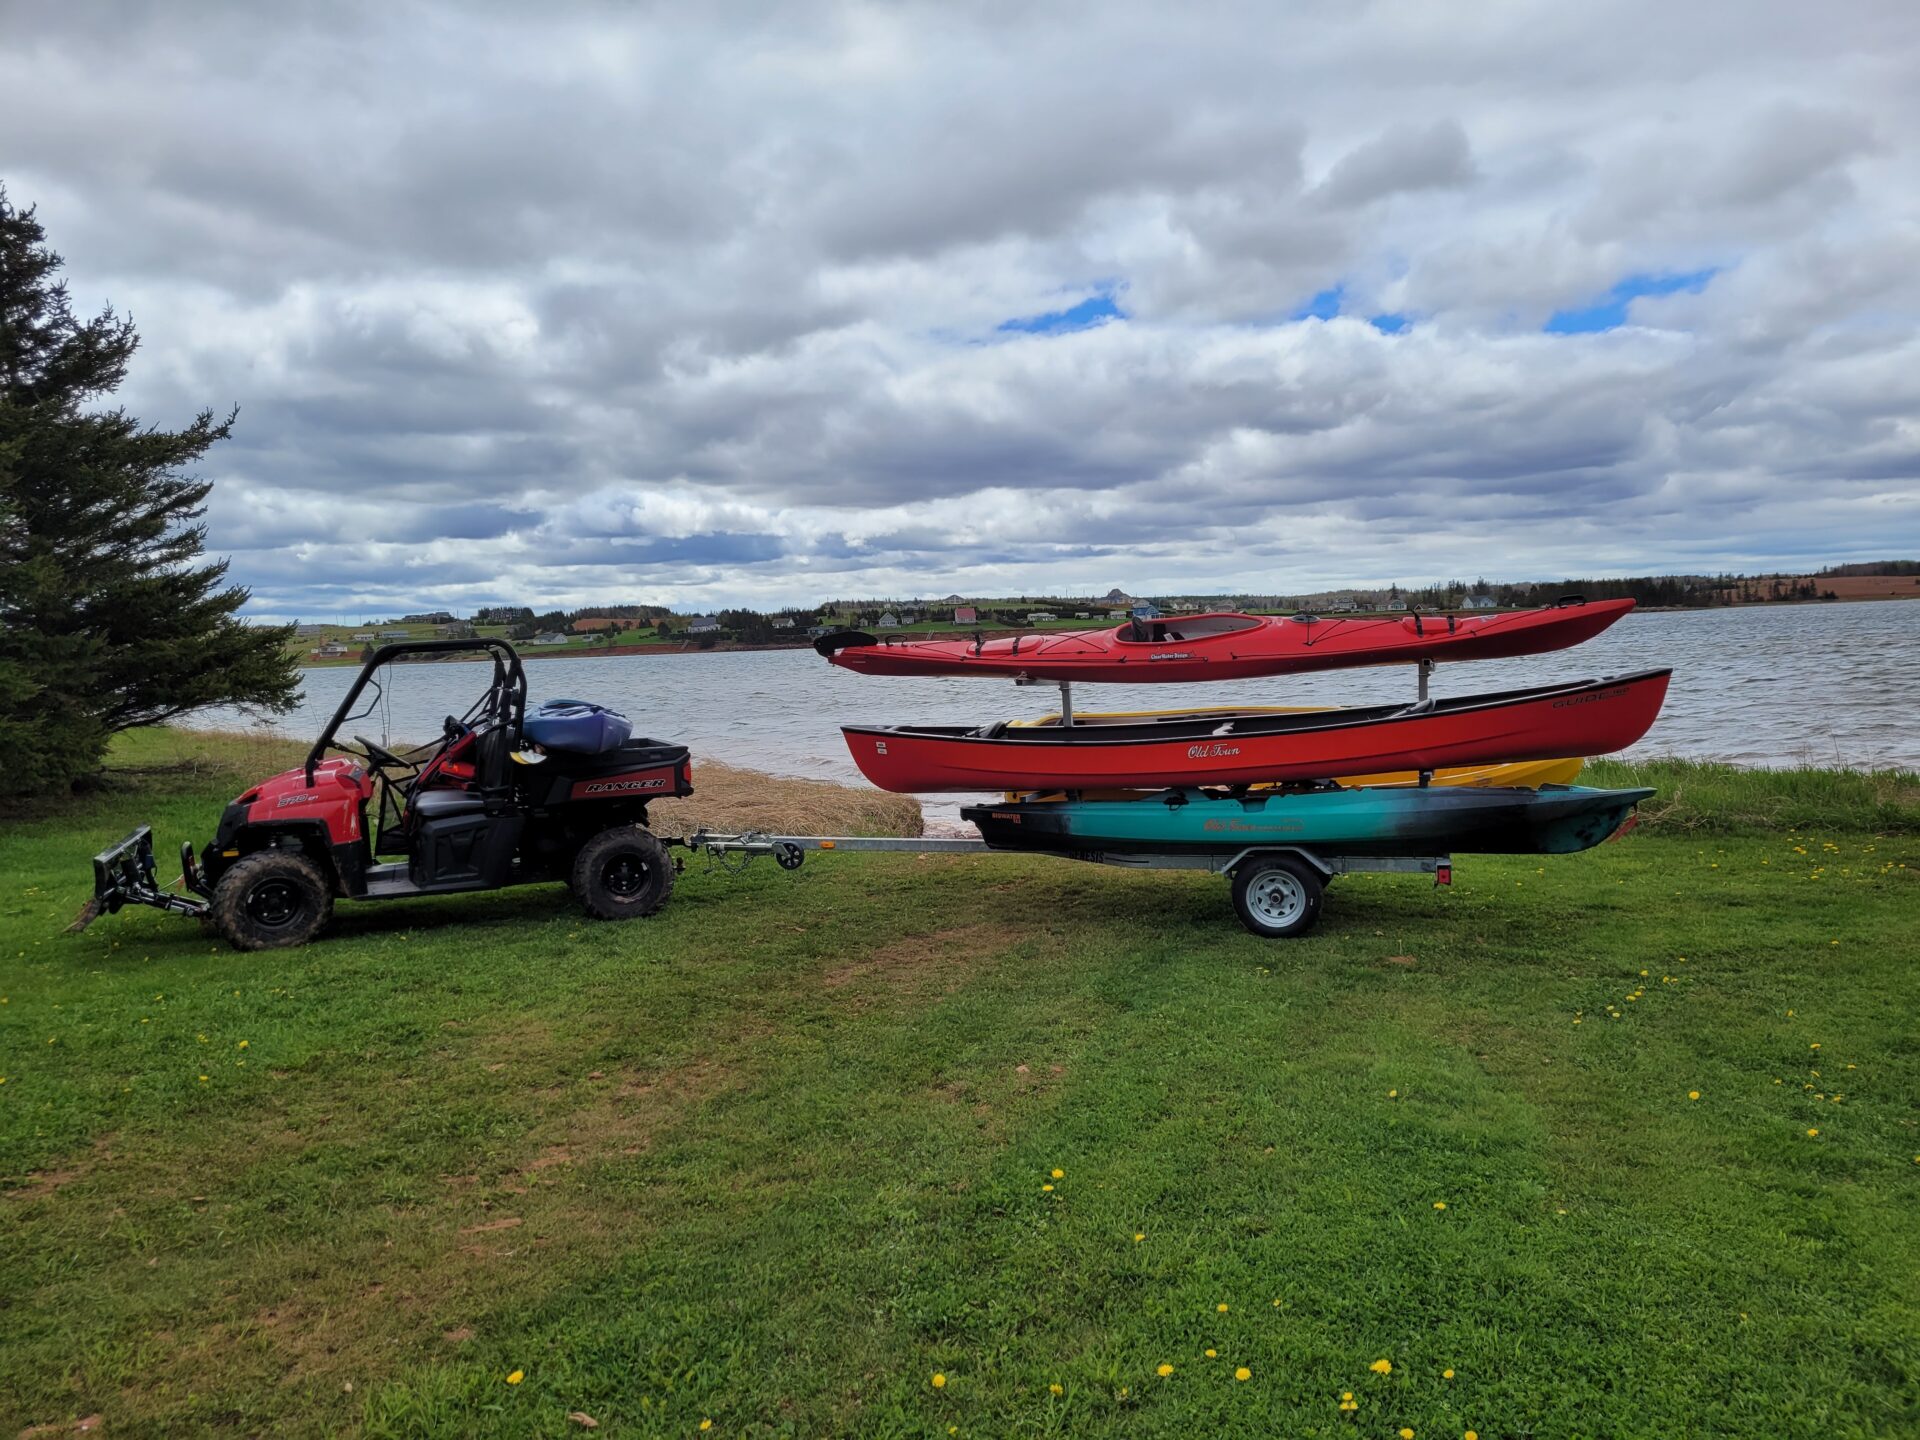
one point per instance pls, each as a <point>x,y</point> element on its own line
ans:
<point>123,874</point>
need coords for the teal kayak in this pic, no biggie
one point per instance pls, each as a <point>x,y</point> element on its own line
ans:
<point>1367,820</point>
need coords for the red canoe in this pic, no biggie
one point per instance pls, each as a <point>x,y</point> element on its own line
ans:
<point>1230,646</point>
<point>1587,717</point>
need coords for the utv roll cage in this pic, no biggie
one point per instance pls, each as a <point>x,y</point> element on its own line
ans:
<point>505,698</point>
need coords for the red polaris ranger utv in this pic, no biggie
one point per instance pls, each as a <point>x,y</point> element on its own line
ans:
<point>498,800</point>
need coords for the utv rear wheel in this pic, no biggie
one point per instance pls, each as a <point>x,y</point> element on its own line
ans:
<point>622,874</point>
<point>270,901</point>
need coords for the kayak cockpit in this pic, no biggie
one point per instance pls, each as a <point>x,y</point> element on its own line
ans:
<point>1186,630</point>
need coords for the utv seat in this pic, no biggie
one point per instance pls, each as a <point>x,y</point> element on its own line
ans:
<point>439,804</point>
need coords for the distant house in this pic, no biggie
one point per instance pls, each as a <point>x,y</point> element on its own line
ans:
<point>965,615</point>
<point>1081,615</point>
<point>432,617</point>
<point>549,637</point>
<point>1116,614</point>
<point>1040,617</point>
<point>308,630</point>
<point>704,625</point>
<point>814,632</point>
<point>454,630</point>
<point>332,650</point>
<point>396,634</point>
<point>1145,610</point>
<point>951,600</point>
<point>365,635</point>
<point>908,617</point>
<point>1345,605</point>
<point>1187,607</point>
<point>1119,597</point>
<point>783,622</point>
<point>1481,602</point>
<point>888,621</point>
<point>1396,605</point>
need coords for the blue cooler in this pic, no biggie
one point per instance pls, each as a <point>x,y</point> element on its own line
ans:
<point>577,727</point>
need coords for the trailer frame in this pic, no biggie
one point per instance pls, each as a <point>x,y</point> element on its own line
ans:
<point>1277,889</point>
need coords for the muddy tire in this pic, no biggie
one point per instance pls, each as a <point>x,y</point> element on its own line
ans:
<point>271,901</point>
<point>622,874</point>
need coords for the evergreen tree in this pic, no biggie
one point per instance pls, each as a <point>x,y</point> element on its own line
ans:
<point>106,619</point>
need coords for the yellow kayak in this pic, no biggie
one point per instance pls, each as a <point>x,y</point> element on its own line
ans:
<point>1522,774</point>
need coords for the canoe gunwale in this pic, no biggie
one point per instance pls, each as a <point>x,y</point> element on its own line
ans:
<point>1259,726</point>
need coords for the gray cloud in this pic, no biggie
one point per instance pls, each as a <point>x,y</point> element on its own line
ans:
<point>1406,158</point>
<point>617,304</point>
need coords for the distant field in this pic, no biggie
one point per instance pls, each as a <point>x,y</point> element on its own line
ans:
<point>1871,587</point>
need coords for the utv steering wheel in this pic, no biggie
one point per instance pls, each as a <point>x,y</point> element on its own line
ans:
<point>380,755</point>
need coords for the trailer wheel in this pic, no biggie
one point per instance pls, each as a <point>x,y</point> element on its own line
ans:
<point>1277,896</point>
<point>622,874</point>
<point>271,900</point>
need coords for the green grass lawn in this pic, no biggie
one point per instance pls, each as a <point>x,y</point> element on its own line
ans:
<point>779,1158</point>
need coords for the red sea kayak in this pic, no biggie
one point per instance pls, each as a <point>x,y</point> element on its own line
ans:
<point>1587,717</point>
<point>1231,646</point>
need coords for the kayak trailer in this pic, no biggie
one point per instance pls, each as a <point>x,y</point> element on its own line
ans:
<point>1277,889</point>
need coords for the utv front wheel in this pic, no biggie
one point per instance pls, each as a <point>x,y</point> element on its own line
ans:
<point>271,901</point>
<point>622,874</point>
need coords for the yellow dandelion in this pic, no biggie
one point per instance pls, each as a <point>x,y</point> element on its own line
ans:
<point>1693,1094</point>
<point>1812,1133</point>
<point>1439,1204</point>
<point>514,1377</point>
<point>1243,1373</point>
<point>1346,1395</point>
<point>939,1381</point>
<point>1046,1189</point>
<point>1059,1174</point>
<point>1393,1094</point>
<point>706,1424</point>
<point>1164,1370</point>
<point>1212,1354</point>
<point>1381,1367</point>
<point>1221,1307</point>
<point>1471,1435</point>
<point>1406,1433</point>
<point>1446,1374</point>
<point>1056,1388</point>
<point>1138,1236</point>
<point>1814,1046</point>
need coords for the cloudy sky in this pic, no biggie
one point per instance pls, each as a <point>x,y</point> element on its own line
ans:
<point>610,303</point>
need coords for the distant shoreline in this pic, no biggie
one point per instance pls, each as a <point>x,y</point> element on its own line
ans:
<point>665,649</point>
